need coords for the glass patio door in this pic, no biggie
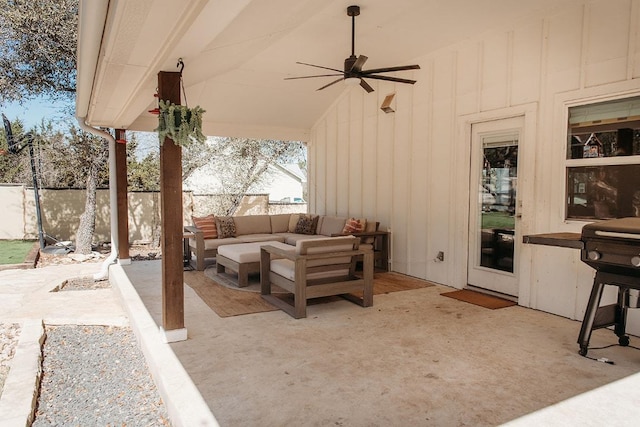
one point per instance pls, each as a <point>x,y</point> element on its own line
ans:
<point>493,216</point>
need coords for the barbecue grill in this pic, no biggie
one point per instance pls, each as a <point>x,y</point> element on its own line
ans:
<point>612,247</point>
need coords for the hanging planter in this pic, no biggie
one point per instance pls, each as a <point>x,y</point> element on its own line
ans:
<point>180,123</point>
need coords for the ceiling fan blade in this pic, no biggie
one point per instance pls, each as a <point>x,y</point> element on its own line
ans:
<point>366,86</point>
<point>389,69</point>
<point>310,77</point>
<point>357,66</point>
<point>320,66</point>
<point>332,83</point>
<point>391,79</point>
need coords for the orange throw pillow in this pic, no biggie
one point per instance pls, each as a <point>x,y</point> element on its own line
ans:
<point>208,226</point>
<point>353,225</point>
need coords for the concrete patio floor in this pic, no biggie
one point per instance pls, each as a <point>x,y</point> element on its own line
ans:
<point>414,358</point>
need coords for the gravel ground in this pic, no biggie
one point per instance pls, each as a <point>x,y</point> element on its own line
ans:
<point>92,375</point>
<point>96,376</point>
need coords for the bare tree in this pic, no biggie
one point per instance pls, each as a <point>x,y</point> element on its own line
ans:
<point>243,163</point>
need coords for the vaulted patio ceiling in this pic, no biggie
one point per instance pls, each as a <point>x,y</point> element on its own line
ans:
<point>238,52</point>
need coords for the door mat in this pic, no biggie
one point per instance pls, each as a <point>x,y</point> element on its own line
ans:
<point>478,298</point>
<point>223,296</point>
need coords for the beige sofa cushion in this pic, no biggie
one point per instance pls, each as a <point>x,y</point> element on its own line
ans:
<point>293,221</point>
<point>280,223</point>
<point>287,269</point>
<point>215,243</point>
<point>252,224</point>
<point>250,238</point>
<point>331,225</point>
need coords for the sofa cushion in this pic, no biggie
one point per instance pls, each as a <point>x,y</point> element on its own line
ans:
<point>226,227</point>
<point>354,225</point>
<point>250,238</point>
<point>252,224</point>
<point>331,225</point>
<point>215,243</point>
<point>280,223</point>
<point>306,224</point>
<point>293,221</point>
<point>250,252</point>
<point>207,224</point>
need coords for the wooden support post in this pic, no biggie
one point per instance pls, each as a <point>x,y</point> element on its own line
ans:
<point>171,213</point>
<point>121,190</point>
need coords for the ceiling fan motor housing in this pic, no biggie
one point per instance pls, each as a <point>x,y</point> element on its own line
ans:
<point>348,65</point>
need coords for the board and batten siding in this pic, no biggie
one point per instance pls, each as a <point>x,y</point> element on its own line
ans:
<point>410,169</point>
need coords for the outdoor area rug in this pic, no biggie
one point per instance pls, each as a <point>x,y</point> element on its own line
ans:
<point>478,298</point>
<point>226,302</point>
<point>222,295</point>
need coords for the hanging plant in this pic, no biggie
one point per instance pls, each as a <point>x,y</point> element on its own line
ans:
<point>180,123</point>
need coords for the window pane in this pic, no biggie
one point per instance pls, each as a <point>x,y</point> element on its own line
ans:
<point>600,192</point>
<point>604,129</point>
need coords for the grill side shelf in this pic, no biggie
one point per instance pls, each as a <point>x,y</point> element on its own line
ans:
<point>562,240</point>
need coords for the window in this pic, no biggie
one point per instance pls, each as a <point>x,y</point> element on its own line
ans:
<point>603,160</point>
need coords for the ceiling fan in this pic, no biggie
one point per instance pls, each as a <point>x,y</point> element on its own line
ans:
<point>353,72</point>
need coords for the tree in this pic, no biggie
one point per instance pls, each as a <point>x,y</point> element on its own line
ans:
<point>92,154</point>
<point>38,48</point>
<point>241,164</point>
<point>38,43</point>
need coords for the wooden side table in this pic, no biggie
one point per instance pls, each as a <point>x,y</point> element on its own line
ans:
<point>186,257</point>
<point>380,247</point>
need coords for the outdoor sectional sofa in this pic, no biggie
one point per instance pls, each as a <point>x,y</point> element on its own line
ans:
<point>209,233</point>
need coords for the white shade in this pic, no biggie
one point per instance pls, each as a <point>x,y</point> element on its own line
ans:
<point>352,81</point>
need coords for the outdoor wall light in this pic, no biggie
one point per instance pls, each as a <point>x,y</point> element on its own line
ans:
<point>386,104</point>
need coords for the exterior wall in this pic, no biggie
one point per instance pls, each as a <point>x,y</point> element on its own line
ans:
<point>410,169</point>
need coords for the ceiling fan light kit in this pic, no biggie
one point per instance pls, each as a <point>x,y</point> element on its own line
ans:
<point>352,73</point>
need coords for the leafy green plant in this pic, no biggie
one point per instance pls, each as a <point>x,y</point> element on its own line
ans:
<point>180,123</point>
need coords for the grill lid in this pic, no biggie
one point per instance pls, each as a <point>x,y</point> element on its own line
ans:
<point>621,228</point>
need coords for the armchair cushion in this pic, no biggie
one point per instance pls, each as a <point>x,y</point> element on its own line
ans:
<point>287,269</point>
<point>207,224</point>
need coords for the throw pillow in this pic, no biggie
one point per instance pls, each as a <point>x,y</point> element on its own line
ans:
<point>353,225</point>
<point>226,227</point>
<point>306,224</point>
<point>208,226</point>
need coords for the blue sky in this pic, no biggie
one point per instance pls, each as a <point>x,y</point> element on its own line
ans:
<point>32,112</point>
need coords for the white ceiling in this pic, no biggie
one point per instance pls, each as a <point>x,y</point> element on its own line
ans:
<point>238,52</point>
